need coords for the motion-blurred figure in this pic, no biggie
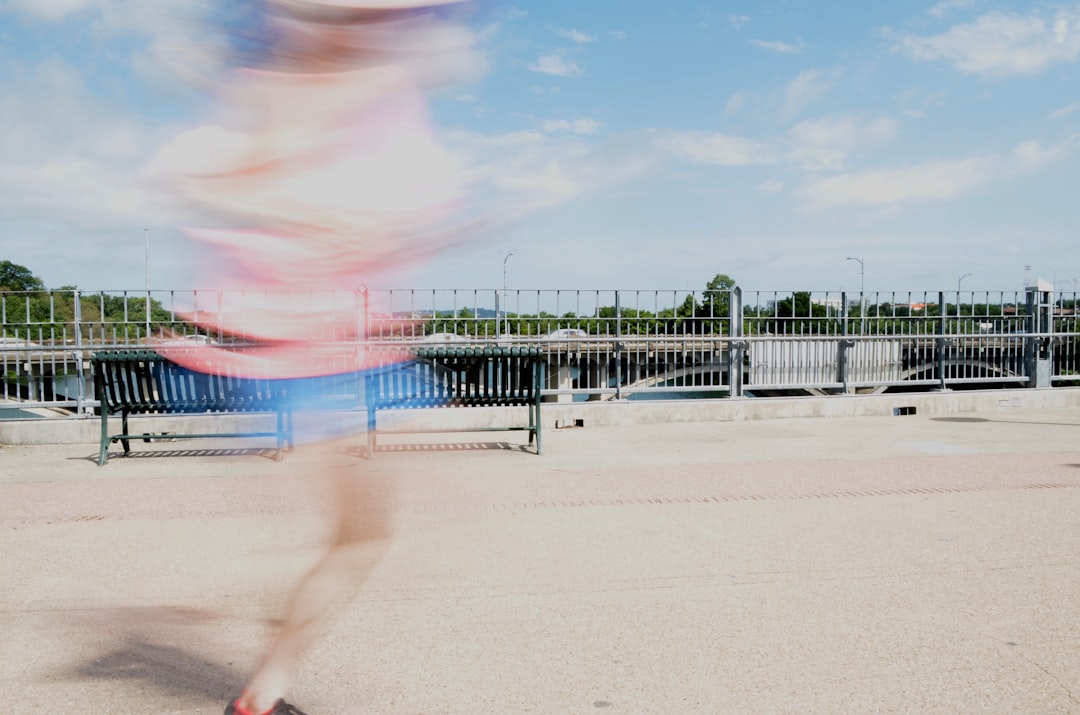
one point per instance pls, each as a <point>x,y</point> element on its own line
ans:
<point>324,171</point>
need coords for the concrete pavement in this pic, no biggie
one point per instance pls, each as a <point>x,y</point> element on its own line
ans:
<point>872,564</point>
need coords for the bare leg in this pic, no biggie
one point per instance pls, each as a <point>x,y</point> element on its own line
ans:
<point>361,510</point>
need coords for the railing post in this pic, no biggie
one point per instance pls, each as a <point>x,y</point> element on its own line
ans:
<point>618,347</point>
<point>943,341</point>
<point>1039,324</point>
<point>80,394</point>
<point>842,345</point>
<point>843,313</point>
<point>736,346</point>
<point>362,323</point>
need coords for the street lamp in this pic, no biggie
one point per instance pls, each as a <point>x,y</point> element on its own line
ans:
<point>958,282</point>
<point>862,288</point>
<point>506,320</point>
<point>146,276</point>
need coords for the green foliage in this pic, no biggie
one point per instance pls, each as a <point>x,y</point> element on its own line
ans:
<point>799,315</point>
<point>14,277</point>
<point>50,316</point>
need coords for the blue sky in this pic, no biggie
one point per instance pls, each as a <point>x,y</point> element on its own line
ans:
<point>648,145</point>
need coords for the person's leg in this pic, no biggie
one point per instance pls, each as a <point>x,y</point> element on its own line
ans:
<point>360,503</point>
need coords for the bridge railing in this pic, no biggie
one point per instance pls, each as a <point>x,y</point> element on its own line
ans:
<point>601,344</point>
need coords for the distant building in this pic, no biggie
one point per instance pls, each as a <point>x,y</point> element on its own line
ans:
<point>834,303</point>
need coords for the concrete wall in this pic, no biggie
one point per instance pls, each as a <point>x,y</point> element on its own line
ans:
<point>87,430</point>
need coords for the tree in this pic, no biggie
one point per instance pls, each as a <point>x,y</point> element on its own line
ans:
<point>717,299</point>
<point>14,277</point>
<point>799,314</point>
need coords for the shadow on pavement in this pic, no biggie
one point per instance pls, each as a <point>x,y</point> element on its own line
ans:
<point>361,451</point>
<point>167,669</point>
<point>269,453</point>
<point>1014,422</point>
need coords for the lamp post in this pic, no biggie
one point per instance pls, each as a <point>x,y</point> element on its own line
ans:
<point>146,277</point>
<point>506,320</point>
<point>862,288</point>
<point>959,281</point>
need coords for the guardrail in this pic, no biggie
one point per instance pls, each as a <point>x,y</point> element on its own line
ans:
<point>600,345</point>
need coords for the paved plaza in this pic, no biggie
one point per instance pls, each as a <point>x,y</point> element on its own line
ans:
<point>913,564</point>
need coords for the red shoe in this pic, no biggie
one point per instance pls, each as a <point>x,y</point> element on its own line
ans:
<point>280,708</point>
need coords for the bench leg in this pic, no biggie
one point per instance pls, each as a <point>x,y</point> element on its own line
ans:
<point>534,419</point>
<point>280,435</point>
<point>370,432</point>
<point>538,376</point>
<point>125,441</point>
<point>103,453</point>
<point>289,429</point>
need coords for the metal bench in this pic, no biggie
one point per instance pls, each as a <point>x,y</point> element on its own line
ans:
<point>134,382</point>
<point>461,376</point>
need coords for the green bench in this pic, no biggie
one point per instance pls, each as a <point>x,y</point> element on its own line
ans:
<point>138,382</point>
<point>461,376</point>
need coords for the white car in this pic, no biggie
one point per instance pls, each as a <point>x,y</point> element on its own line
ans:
<point>443,338</point>
<point>566,334</point>
<point>188,340</point>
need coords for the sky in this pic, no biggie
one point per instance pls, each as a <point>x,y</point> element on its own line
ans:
<point>648,145</point>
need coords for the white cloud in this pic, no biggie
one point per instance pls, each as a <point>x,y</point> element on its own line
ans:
<point>1063,111</point>
<point>202,150</point>
<point>576,126</point>
<point>946,7</point>
<point>772,186</point>
<point>805,89</point>
<point>1031,155</point>
<point>717,149</point>
<point>521,172</point>
<point>68,156</point>
<point>512,14</point>
<point>825,143</point>
<point>557,65</point>
<point>575,35</point>
<point>734,103</point>
<point>784,48</point>
<point>104,17</point>
<point>737,21</point>
<point>50,10</point>
<point>930,181</point>
<point>1002,44</point>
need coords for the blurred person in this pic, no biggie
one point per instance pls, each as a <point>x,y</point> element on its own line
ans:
<point>324,171</point>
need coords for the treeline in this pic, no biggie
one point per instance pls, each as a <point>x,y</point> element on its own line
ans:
<point>30,312</point>
<point>34,315</point>
<point>605,321</point>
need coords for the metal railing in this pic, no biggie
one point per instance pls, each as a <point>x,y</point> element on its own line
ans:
<point>600,344</point>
